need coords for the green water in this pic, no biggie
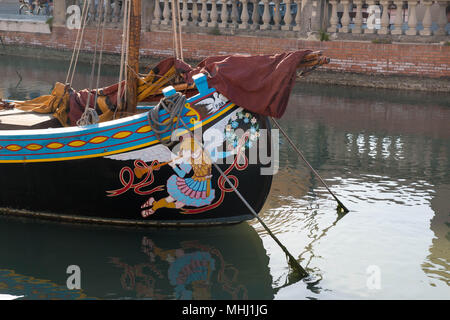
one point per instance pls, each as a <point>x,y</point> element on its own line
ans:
<point>386,154</point>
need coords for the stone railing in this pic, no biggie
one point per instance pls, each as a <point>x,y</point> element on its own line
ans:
<point>227,16</point>
<point>384,17</point>
<point>281,18</point>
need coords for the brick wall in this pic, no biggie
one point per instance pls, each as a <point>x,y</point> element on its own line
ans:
<point>429,60</point>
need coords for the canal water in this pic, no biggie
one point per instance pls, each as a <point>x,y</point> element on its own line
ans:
<point>385,153</point>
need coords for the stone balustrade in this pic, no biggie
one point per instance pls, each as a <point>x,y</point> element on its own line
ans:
<point>209,14</point>
<point>422,18</point>
<point>282,18</point>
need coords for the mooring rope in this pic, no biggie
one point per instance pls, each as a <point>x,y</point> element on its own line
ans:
<point>173,105</point>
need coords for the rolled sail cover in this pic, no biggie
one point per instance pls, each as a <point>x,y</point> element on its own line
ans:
<point>261,84</point>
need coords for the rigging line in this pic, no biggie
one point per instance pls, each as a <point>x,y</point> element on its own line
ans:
<point>174,28</point>
<point>79,45</point>
<point>341,207</point>
<point>76,42</point>
<point>122,57</point>
<point>100,59</point>
<point>127,52</point>
<point>179,29</point>
<point>89,115</point>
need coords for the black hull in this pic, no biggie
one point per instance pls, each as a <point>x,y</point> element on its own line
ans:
<point>77,190</point>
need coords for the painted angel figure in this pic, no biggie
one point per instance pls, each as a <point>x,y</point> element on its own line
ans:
<point>194,191</point>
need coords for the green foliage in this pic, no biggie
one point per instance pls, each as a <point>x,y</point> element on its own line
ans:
<point>49,21</point>
<point>324,36</point>
<point>215,31</point>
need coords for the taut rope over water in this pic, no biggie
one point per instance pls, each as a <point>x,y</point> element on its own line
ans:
<point>340,208</point>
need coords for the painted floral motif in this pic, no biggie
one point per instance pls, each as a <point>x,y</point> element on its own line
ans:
<point>245,121</point>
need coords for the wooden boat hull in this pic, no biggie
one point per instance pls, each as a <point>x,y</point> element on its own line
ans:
<point>92,173</point>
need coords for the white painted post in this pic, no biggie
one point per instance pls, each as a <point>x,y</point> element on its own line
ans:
<point>357,28</point>
<point>266,16</point>
<point>195,14</point>
<point>224,15</point>
<point>426,22</point>
<point>384,18</point>
<point>287,17</point>
<point>166,13</point>
<point>412,18</point>
<point>398,22</point>
<point>276,16</point>
<point>204,15</point>
<point>214,15</point>
<point>157,13</point>
<point>184,13</point>
<point>234,14</point>
<point>298,15</point>
<point>345,17</point>
<point>244,15</point>
<point>334,17</point>
<point>255,15</point>
<point>442,19</point>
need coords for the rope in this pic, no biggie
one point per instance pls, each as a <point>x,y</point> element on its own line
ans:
<point>179,30</point>
<point>122,57</point>
<point>174,28</point>
<point>173,105</point>
<point>80,40</point>
<point>89,115</point>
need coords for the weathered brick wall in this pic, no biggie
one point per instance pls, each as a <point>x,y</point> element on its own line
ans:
<point>429,60</point>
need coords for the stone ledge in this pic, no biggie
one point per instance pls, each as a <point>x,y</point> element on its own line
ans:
<point>24,25</point>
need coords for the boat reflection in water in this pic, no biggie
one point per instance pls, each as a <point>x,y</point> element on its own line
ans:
<point>204,263</point>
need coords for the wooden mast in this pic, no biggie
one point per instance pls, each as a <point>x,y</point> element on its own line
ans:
<point>134,43</point>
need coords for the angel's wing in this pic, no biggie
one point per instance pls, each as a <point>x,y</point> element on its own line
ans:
<point>158,152</point>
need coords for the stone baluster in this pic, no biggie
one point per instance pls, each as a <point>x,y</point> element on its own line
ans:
<point>224,14</point>
<point>157,13</point>
<point>255,15</point>
<point>412,18</point>
<point>203,15</point>
<point>334,17</point>
<point>357,27</point>
<point>345,17</point>
<point>298,15</point>
<point>116,13</point>
<point>287,16</point>
<point>398,21</point>
<point>426,22</point>
<point>213,15</point>
<point>266,16</point>
<point>92,12</point>
<point>166,13</point>
<point>107,11</point>
<point>244,15</point>
<point>234,14</point>
<point>184,13</point>
<point>194,14</point>
<point>442,18</point>
<point>370,29</point>
<point>384,18</point>
<point>276,16</point>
